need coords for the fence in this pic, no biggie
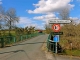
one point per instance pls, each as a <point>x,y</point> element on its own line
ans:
<point>51,45</point>
<point>9,40</point>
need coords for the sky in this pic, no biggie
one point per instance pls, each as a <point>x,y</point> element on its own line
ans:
<point>38,12</point>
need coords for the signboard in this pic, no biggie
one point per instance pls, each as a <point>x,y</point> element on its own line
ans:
<point>56,27</point>
<point>59,21</point>
<point>57,33</point>
<point>56,38</point>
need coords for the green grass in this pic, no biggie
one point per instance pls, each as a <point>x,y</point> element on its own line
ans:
<point>7,32</point>
<point>72,52</point>
<point>75,52</point>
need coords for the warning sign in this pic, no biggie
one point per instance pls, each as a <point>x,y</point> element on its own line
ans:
<point>56,27</point>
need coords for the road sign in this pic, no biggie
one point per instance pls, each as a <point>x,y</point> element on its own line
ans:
<point>57,33</point>
<point>56,27</point>
<point>56,38</point>
<point>59,21</point>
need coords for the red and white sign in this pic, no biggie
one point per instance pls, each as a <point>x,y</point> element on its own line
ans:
<point>56,27</point>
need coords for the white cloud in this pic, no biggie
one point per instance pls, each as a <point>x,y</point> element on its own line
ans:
<point>46,17</point>
<point>39,17</point>
<point>46,6</point>
<point>43,23</point>
<point>24,21</point>
<point>77,22</point>
<point>43,17</point>
<point>75,18</point>
<point>0,1</point>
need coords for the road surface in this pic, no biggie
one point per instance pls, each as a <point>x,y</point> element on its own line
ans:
<point>28,50</point>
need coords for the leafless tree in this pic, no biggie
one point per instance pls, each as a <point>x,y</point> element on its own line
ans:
<point>2,13</point>
<point>64,13</point>
<point>11,18</point>
<point>48,28</point>
<point>2,20</point>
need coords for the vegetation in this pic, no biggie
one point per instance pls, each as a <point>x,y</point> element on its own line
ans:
<point>70,36</point>
<point>47,29</point>
<point>9,32</point>
<point>7,19</point>
<point>70,40</point>
<point>73,52</point>
<point>11,18</point>
<point>17,35</point>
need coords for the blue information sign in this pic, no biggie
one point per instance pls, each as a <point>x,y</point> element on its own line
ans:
<point>56,38</point>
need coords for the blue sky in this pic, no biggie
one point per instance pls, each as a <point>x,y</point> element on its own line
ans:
<point>36,12</point>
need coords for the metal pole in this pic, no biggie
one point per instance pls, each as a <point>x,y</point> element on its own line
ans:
<point>53,47</point>
<point>14,39</point>
<point>56,47</point>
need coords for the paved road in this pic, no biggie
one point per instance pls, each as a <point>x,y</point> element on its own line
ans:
<point>29,50</point>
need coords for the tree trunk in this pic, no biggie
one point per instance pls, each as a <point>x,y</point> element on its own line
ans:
<point>9,27</point>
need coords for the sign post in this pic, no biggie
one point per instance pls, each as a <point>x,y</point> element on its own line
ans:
<point>56,47</point>
<point>56,39</point>
<point>56,29</point>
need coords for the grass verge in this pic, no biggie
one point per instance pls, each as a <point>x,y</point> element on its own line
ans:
<point>72,52</point>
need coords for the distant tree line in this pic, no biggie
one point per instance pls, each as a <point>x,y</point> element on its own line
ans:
<point>24,31</point>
